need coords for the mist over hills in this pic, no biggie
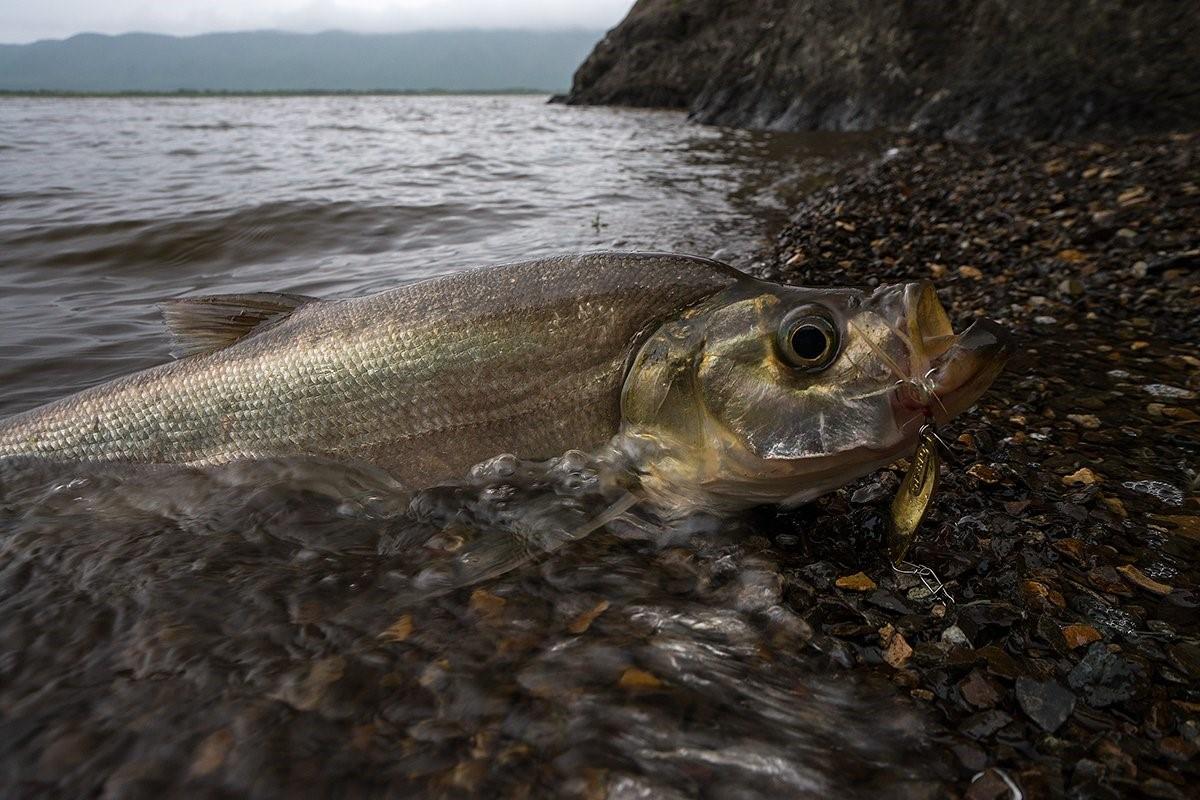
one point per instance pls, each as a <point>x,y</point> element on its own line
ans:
<point>485,60</point>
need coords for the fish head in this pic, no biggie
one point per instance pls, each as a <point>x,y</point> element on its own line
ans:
<point>777,394</point>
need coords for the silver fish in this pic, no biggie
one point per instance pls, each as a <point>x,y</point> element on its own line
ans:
<point>716,389</point>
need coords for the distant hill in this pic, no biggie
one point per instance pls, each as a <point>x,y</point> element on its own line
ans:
<point>486,60</point>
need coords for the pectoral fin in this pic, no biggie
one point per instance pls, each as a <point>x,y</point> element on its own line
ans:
<point>205,324</point>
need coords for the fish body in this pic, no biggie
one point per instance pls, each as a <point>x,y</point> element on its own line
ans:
<point>424,380</point>
<point>716,389</point>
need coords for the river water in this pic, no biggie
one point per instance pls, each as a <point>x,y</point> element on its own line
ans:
<point>287,629</point>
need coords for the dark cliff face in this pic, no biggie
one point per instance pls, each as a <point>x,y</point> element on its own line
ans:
<point>964,68</point>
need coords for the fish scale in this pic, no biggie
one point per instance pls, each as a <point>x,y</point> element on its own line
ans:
<point>424,380</point>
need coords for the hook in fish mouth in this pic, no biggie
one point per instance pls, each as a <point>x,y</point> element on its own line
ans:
<point>917,393</point>
<point>954,369</point>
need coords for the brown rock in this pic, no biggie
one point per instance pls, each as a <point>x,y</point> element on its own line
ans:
<point>999,662</point>
<point>1041,596</point>
<point>977,690</point>
<point>896,651</point>
<point>1089,421</point>
<point>1079,635</point>
<point>858,582</point>
<point>1185,526</point>
<point>1070,547</point>
<point>1107,579</point>
<point>1180,414</point>
<point>1081,477</point>
<point>1116,507</point>
<point>1071,256</point>
<point>1134,196</point>
<point>984,473</point>
<point>1055,166</point>
<point>1144,581</point>
<point>399,630</point>
<point>487,604</point>
<point>584,621</point>
<point>634,678</point>
<point>973,273</point>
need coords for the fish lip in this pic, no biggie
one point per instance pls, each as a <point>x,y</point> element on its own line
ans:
<point>958,376</point>
<point>965,371</point>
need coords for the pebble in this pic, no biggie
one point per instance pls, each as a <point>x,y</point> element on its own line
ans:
<point>956,636</point>
<point>1071,287</point>
<point>1164,492</point>
<point>399,630</point>
<point>1105,678</point>
<point>1083,476</point>
<point>1079,635</point>
<point>858,582</point>
<point>896,650</point>
<point>1144,581</point>
<point>977,690</point>
<point>583,621</point>
<point>984,724</point>
<point>634,678</point>
<point>1047,703</point>
<point>984,473</point>
<point>1166,392</point>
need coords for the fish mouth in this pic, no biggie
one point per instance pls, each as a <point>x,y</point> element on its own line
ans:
<point>947,372</point>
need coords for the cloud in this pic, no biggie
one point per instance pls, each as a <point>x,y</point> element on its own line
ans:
<point>23,21</point>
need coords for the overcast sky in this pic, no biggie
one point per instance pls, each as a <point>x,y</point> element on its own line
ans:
<point>29,20</point>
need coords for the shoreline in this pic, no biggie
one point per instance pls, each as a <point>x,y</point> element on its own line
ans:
<point>1069,529</point>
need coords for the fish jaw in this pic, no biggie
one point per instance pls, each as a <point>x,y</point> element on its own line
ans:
<point>944,373</point>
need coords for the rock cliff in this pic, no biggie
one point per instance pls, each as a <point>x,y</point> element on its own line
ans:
<point>962,68</point>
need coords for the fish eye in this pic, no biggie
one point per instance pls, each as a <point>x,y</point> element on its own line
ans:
<point>808,339</point>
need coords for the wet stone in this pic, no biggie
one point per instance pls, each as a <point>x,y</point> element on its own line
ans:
<point>884,599</point>
<point>955,636</point>
<point>1047,703</point>
<point>858,582</point>
<point>1104,616</point>
<point>1159,490</point>
<point>1079,635</point>
<point>1105,678</point>
<point>984,724</point>
<point>978,690</point>
<point>1185,657</point>
<point>1143,581</point>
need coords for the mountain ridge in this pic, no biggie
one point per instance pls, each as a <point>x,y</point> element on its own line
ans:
<point>273,60</point>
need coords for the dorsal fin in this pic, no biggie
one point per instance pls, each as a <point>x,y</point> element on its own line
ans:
<point>205,324</point>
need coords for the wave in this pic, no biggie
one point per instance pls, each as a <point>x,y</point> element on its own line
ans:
<point>260,233</point>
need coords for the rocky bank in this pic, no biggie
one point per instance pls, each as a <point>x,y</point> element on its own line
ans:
<point>976,70</point>
<point>1069,528</point>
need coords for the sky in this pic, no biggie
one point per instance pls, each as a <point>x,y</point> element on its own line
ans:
<point>26,21</point>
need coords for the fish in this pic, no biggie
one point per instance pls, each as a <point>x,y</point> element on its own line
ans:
<point>712,389</point>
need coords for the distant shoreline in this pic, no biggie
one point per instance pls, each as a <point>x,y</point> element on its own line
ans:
<point>56,93</point>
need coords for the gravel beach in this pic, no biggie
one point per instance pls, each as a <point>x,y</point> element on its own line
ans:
<point>1068,530</point>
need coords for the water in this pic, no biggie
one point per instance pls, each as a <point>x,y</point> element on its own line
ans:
<point>297,628</point>
<point>108,206</point>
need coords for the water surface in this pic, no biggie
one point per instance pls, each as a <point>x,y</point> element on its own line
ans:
<point>108,206</point>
